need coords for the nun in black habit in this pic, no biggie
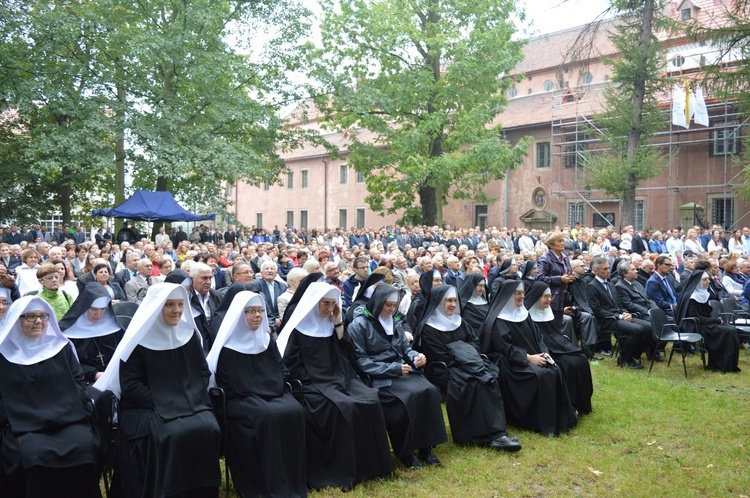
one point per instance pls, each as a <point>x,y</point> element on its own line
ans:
<point>169,438</point>
<point>569,357</point>
<point>298,293</point>
<point>534,389</point>
<point>474,403</point>
<point>508,271</point>
<point>528,272</point>
<point>427,281</point>
<point>91,326</point>
<point>265,425</point>
<point>722,341</point>
<point>474,304</point>
<point>411,404</point>
<point>48,446</point>
<point>345,430</point>
<point>366,290</point>
<point>225,304</point>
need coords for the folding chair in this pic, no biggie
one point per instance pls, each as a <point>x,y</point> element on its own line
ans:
<point>663,331</point>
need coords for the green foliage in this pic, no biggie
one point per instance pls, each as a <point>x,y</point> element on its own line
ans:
<point>631,116</point>
<point>426,78</point>
<point>731,80</point>
<point>194,112</point>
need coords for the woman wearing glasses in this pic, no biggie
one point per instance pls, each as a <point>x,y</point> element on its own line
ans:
<point>266,427</point>
<point>47,443</point>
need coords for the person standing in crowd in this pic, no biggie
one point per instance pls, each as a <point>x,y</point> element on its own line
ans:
<point>554,270</point>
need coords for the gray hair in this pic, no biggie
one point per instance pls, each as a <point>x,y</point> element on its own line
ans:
<point>597,262</point>
<point>196,268</point>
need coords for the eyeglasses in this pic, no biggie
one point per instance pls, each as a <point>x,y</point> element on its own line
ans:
<point>254,311</point>
<point>31,317</point>
<point>51,277</point>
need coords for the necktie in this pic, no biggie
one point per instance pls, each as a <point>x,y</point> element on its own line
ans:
<point>671,292</point>
<point>606,287</point>
<point>148,281</point>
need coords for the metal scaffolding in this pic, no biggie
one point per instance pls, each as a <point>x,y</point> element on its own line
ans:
<point>574,132</point>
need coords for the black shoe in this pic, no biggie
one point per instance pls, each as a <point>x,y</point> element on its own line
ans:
<point>411,462</point>
<point>629,364</point>
<point>428,457</point>
<point>504,443</point>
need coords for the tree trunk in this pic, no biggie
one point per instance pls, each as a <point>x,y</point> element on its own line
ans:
<point>634,137</point>
<point>64,196</point>
<point>429,200</point>
<point>162,185</point>
<point>120,154</point>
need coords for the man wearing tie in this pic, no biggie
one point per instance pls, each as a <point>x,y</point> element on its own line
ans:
<point>270,289</point>
<point>660,287</point>
<point>137,287</point>
<point>634,334</point>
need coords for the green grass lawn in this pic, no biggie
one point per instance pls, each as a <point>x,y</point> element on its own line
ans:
<point>652,434</point>
<point>649,435</point>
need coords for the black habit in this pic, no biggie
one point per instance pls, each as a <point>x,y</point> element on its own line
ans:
<point>474,404</point>
<point>536,397</point>
<point>411,404</point>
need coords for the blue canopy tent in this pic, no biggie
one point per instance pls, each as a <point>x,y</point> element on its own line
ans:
<point>146,205</point>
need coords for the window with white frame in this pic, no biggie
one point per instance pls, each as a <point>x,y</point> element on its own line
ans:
<point>725,140</point>
<point>543,157</point>
<point>722,211</point>
<point>360,218</point>
<point>290,218</point>
<point>575,212</point>
<point>303,218</point>
<point>342,218</point>
<point>305,178</point>
<point>343,174</point>
<point>290,180</point>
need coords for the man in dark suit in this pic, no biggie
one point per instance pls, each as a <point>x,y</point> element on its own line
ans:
<point>631,293</point>
<point>659,287</point>
<point>271,289</point>
<point>640,243</point>
<point>230,236</point>
<point>634,334</point>
<point>14,237</point>
<point>716,290</point>
<point>578,308</point>
<point>123,276</point>
<point>8,260</point>
<point>645,271</point>
<point>204,301</point>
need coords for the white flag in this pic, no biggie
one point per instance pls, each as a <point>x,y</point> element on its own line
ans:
<point>701,113</point>
<point>678,106</point>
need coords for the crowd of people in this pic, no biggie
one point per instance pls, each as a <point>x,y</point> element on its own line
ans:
<point>326,346</point>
